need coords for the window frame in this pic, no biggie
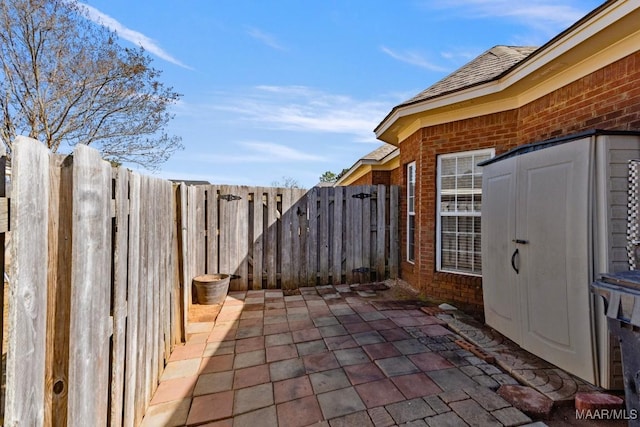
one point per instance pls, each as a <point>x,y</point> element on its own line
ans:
<point>456,213</point>
<point>411,211</point>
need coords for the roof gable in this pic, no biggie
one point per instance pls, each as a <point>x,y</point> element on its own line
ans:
<point>607,34</point>
<point>486,67</point>
<point>380,152</point>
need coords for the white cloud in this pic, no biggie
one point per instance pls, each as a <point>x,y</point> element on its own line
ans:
<point>304,109</point>
<point>259,152</point>
<point>548,15</point>
<point>530,11</point>
<point>460,55</point>
<point>265,38</point>
<point>271,151</point>
<point>185,176</point>
<point>133,36</point>
<point>413,58</point>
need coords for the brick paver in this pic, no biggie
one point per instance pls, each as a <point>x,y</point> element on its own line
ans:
<point>328,357</point>
<point>325,381</point>
<point>395,366</point>
<point>409,410</point>
<point>291,389</point>
<point>251,376</point>
<point>213,383</point>
<point>340,402</point>
<point>379,393</point>
<point>299,412</point>
<point>364,373</point>
<point>252,398</point>
<point>415,385</point>
<point>211,407</point>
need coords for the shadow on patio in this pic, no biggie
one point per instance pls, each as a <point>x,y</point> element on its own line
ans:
<point>329,355</point>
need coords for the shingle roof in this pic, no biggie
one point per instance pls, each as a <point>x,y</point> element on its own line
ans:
<point>486,67</point>
<point>380,152</point>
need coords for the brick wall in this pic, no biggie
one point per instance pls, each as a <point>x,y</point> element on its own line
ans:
<point>374,178</point>
<point>608,99</point>
<point>381,177</point>
<point>365,179</point>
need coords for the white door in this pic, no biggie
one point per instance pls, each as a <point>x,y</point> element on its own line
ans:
<point>499,281</point>
<point>553,218</point>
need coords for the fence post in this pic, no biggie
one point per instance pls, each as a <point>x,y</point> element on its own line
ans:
<point>28,300</point>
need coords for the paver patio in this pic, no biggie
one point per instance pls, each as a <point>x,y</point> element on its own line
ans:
<point>325,357</point>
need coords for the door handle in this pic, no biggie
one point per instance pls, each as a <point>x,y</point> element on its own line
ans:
<point>513,261</point>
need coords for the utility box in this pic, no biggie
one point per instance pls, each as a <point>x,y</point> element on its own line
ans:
<point>621,294</point>
<point>554,216</point>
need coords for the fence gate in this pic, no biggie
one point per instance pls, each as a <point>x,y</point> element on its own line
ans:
<point>286,238</point>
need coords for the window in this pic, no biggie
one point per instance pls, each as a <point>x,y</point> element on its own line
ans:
<point>411,212</point>
<point>458,218</point>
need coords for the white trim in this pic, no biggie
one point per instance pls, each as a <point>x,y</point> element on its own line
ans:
<point>589,45</point>
<point>366,162</point>
<point>411,213</point>
<point>439,214</point>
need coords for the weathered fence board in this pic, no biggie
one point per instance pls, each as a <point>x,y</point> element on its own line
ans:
<point>185,263</point>
<point>211,192</point>
<point>144,310</point>
<point>121,250</point>
<point>27,309</point>
<point>153,275</point>
<point>133,357</point>
<point>336,236</point>
<point>120,257</point>
<point>394,236</point>
<point>323,235</point>
<point>95,290</point>
<point>286,238</point>
<point>381,226</point>
<point>351,252</point>
<point>298,265</point>
<point>59,291</point>
<point>271,250</point>
<point>242,240</point>
<point>258,240</point>
<point>90,325</point>
<point>229,232</point>
<point>4,227</point>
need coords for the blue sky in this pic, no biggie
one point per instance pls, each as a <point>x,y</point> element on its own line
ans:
<point>293,88</point>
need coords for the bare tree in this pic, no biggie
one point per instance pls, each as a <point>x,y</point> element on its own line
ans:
<point>65,80</point>
<point>287,182</point>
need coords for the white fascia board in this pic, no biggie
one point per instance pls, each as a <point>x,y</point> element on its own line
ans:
<point>529,66</point>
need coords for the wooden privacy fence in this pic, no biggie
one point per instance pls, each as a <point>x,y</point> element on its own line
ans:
<point>286,238</point>
<point>102,261</point>
<point>94,305</point>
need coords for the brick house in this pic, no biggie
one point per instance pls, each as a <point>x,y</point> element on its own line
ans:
<point>587,77</point>
<point>378,167</point>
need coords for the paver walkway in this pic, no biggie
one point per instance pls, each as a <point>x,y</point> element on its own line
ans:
<point>326,357</point>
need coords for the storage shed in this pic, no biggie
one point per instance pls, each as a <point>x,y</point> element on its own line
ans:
<point>554,217</point>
